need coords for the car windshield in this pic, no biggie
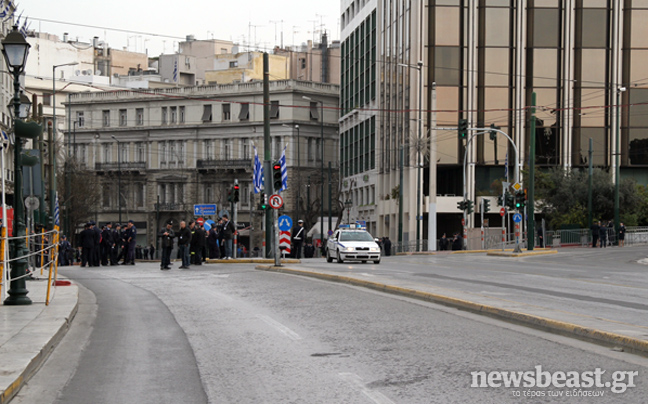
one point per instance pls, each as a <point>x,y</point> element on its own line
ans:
<point>355,236</point>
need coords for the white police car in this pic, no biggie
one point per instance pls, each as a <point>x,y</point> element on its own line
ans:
<point>352,243</point>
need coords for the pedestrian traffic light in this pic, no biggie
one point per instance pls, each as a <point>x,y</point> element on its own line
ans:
<point>276,177</point>
<point>500,202</point>
<point>236,193</point>
<point>510,201</point>
<point>461,205</point>
<point>470,206</point>
<point>486,205</point>
<point>463,128</point>
<point>229,196</point>
<point>263,203</point>
<point>493,131</point>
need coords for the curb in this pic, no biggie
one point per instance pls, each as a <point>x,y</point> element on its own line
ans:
<point>252,261</point>
<point>522,254</point>
<point>37,361</point>
<point>634,345</point>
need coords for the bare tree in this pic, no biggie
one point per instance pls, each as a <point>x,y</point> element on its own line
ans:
<point>82,200</point>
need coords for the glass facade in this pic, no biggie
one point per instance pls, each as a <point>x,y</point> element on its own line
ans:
<point>358,148</point>
<point>358,81</point>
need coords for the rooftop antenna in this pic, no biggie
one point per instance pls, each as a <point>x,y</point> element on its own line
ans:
<point>275,22</point>
<point>293,34</point>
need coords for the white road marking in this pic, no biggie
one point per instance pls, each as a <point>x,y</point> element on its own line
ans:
<point>356,382</point>
<point>280,327</point>
<point>365,274</point>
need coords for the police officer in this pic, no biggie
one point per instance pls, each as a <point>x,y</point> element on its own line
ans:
<point>166,243</point>
<point>87,245</point>
<point>106,243</point>
<point>298,238</point>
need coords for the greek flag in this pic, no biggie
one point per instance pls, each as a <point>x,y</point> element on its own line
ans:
<point>175,70</point>
<point>57,215</point>
<point>4,141</point>
<point>8,10</point>
<point>284,170</point>
<point>23,29</point>
<point>257,176</point>
<point>506,167</point>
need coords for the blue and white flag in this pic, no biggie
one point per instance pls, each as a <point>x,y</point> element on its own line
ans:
<point>23,29</point>
<point>57,215</point>
<point>257,176</point>
<point>284,170</point>
<point>8,10</point>
<point>506,167</point>
<point>175,70</point>
<point>4,141</point>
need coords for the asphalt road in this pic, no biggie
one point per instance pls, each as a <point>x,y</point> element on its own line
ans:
<point>609,283</point>
<point>230,334</point>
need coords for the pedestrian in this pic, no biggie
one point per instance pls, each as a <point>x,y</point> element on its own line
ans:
<point>152,251</point>
<point>87,245</point>
<point>595,233</point>
<point>64,252</point>
<point>96,250</point>
<point>541,237</point>
<point>166,243</point>
<point>130,241</point>
<point>610,227</point>
<point>106,243</point>
<point>184,242</point>
<point>198,240</point>
<point>443,242</point>
<point>298,238</point>
<point>388,246</point>
<point>121,246</point>
<point>603,235</point>
<point>309,250</point>
<point>228,234</point>
<point>457,243</point>
<point>116,244</point>
<point>622,232</point>
<point>212,243</point>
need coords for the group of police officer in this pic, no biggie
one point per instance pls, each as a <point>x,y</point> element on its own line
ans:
<point>110,243</point>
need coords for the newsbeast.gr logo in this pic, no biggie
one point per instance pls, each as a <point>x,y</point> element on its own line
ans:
<point>573,381</point>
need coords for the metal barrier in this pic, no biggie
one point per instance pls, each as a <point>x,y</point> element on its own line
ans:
<point>43,253</point>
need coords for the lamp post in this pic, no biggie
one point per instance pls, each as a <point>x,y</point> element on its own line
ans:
<point>419,67</point>
<point>348,204</point>
<point>118,177</point>
<point>52,191</point>
<point>297,194</point>
<point>618,160</point>
<point>15,49</point>
<point>321,162</point>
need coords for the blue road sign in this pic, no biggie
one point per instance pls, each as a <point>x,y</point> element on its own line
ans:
<point>517,218</point>
<point>285,223</point>
<point>201,210</point>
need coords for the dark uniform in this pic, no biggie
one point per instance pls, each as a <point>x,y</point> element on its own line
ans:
<point>106,244</point>
<point>87,245</point>
<point>166,243</point>
<point>130,241</point>
<point>96,251</point>
<point>298,236</point>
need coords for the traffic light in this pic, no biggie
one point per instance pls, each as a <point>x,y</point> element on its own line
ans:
<point>500,201</point>
<point>486,205</point>
<point>470,206</point>
<point>235,198</point>
<point>493,132</point>
<point>463,128</point>
<point>510,201</point>
<point>263,203</point>
<point>519,200</point>
<point>461,205</point>
<point>276,176</point>
<point>229,196</point>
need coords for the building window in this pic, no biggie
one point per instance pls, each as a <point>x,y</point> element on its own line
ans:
<point>106,152</point>
<point>182,114</point>
<point>172,152</point>
<point>80,119</point>
<point>174,114</point>
<point>164,115</point>
<point>246,194</point>
<point>311,153</point>
<point>107,193</point>
<point>233,64</point>
<point>314,112</point>
<point>162,193</point>
<point>274,109</point>
<point>318,150</point>
<point>47,99</point>
<point>207,113</point>
<point>227,149</point>
<point>209,193</point>
<point>277,150</point>
<point>181,152</point>
<point>163,152</point>
<point>226,112</point>
<point>302,61</point>
<point>139,195</point>
<point>244,115</point>
<point>139,116</point>
<point>122,117</point>
<point>245,148</point>
<point>123,152</point>
<point>105,118</point>
<point>141,152</point>
<point>208,150</point>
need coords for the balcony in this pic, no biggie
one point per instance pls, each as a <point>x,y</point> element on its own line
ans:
<point>213,165</point>
<point>123,166</point>
<point>172,207</point>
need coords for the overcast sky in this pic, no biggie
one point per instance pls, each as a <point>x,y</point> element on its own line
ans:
<point>170,22</point>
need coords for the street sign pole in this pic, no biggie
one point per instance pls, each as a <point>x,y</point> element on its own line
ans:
<point>481,209</point>
<point>277,255</point>
<point>235,219</point>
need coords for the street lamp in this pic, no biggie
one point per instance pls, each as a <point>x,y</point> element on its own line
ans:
<point>618,160</point>
<point>419,67</point>
<point>118,176</point>
<point>52,190</point>
<point>348,203</point>
<point>321,162</point>
<point>15,49</point>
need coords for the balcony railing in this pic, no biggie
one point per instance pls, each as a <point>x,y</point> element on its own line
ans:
<point>172,206</point>
<point>237,164</point>
<point>124,166</point>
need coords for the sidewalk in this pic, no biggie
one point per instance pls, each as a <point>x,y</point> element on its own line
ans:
<point>593,328</point>
<point>30,333</point>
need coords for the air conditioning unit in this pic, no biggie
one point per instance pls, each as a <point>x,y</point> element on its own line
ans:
<point>77,72</point>
<point>98,72</point>
<point>84,72</point>
<point>89,71</point>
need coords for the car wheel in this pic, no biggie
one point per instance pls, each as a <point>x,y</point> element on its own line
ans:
<point>376,261</point>
<point>339,258</point>
<point>364,261</point>
<point>328,256</point>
